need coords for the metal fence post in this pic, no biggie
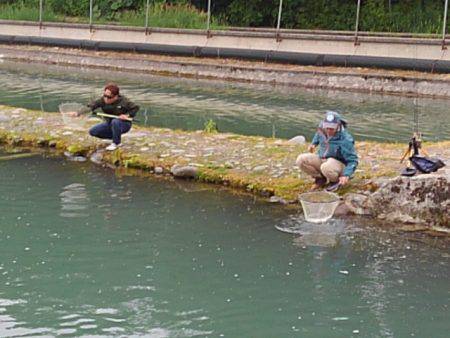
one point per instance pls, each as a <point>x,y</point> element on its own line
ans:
<point>91,9</point>
<point>279,20</point>
<point>444,28</point>
<point>146,17</point>
<point>357,23</point>
<point>208,24</point>
<point>41,8</point>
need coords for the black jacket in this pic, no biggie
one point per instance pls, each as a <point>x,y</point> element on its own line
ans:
<point>121,106</point>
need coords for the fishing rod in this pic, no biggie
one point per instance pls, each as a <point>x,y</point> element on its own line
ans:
<point>77,109</point>
<point>130,119</point>
<point>415,143</point>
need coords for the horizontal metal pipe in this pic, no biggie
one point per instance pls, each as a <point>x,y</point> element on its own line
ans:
<point>274,56</point>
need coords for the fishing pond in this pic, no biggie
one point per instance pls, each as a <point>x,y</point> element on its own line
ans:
<point>87,251</point>
<point>94,252</point>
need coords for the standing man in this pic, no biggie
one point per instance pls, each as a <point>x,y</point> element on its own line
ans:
<point>336,160</point>
<point>114,104</point>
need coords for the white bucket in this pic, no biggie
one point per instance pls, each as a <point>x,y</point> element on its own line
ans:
<point>318,207</point>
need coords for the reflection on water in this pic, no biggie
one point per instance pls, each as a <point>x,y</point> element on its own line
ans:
<point>74,200</point>
<point>241,108</point>
<point>139,257</point>
<point>325,234</point>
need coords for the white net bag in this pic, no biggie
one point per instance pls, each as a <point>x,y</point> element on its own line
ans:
<point>70,113</point>
<point>318,207</point>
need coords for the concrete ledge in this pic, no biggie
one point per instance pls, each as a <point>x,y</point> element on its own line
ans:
<point>307,47</point>
<point>364,80</point>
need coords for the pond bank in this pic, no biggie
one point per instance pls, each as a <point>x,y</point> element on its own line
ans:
<point>397,82</point>
<point>262,166</point>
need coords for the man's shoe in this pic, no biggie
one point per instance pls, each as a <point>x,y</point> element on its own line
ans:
<point>319,182</point>
<point>112,147</point>
<point>333,186</point>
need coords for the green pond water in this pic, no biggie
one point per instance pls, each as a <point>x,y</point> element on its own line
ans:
<point>250,109</point>
<point>85,252</point>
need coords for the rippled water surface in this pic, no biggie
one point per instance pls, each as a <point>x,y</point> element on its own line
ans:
<point>241,108</point>
<point>85,252</point>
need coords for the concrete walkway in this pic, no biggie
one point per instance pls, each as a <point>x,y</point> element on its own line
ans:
<point>263,166</point>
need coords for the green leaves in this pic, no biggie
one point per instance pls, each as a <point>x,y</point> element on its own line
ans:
<point>102,8</point>
<point>116,5</point>
<point>210,127</point>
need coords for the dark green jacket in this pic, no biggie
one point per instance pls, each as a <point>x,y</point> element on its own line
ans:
<point>121,106</point>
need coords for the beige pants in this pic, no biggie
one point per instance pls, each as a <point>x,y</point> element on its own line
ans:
<point>316,167</point>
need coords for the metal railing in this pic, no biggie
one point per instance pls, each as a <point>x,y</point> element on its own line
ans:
<point>278,27</point>
<point>444,27</point>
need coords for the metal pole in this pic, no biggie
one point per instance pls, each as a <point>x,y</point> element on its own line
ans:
<point>357,23</point>
<point>146,17</point>
<point>279,20</point>
<point>41,7</point>
<point>91,9</point>
<point>444,28</point>
<point>208,24</point>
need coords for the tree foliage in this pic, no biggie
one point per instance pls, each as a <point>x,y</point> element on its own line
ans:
<point>102,8</point>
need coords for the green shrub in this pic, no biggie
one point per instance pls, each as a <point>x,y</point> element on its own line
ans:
<point>70,7</point>
<point>167,15</point>
<point>210,127</point>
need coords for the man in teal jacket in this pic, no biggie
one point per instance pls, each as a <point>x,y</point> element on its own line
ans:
<point>336,160</point>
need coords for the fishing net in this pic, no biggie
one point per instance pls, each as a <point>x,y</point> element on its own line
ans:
<point>70,113</point>
<point>319,206</point>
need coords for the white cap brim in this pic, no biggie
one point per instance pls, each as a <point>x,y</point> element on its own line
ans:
<point>329,125</point>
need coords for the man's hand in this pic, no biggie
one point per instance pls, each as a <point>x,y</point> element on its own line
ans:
<point>124,117</point>
<point>343,180</point>
<point>311,148</point>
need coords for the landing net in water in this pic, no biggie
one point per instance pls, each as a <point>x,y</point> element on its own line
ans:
<point>318,206</point>
<point>313,234</point>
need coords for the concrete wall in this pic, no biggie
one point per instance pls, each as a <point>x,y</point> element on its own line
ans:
<point>307,47</point>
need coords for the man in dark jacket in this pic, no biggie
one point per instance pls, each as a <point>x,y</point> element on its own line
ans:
<point>114,104</point>
<point>336,160</point>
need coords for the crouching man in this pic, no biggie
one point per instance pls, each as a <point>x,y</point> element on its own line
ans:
<point>336,159</point>
<point>121,111</point>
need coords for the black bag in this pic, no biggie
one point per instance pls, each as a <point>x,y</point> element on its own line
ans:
<point>426,165</point>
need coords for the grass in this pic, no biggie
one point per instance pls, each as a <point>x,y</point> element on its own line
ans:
<point>160,15</point>
<point>25,13</point>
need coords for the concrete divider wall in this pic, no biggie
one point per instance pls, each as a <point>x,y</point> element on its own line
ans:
<point>302,48</point>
